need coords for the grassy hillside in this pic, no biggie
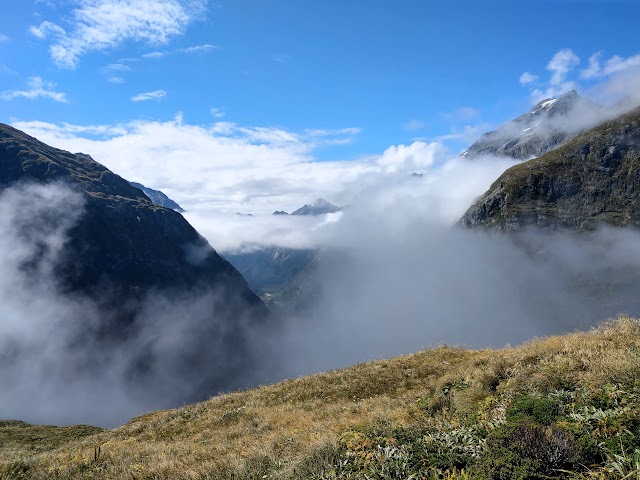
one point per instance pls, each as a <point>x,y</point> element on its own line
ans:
<point>566,406</point>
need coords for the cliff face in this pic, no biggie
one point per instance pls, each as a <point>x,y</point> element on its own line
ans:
<point>592,180</point>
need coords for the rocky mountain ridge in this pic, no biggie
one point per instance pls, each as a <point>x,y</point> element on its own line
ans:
<point>590,181</point>
<point>549,124</point>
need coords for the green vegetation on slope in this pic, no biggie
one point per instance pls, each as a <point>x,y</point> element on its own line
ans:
<point>560,407</point>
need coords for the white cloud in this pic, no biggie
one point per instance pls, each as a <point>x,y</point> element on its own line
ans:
<point>527,78</point>
<point>3,38</point>
<point>561,64</point>
<point>197,49</point>
<point>117,67</point>
<point>45,29</point>
<point>217,112</point>
<point>227,167</point>
<point>615,64</point>
<point>417,156</point>
<point>155,95</point>
<point>593,70</point>
<point>205,48</point>
<point>618,64</point>
<point>114,72</point>
<point>154,55</point>
<point>38,88</point>
<point>467,134</point>
<point>104,24</point>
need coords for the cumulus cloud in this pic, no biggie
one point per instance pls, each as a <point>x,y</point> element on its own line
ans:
<point>154,95</point>
<point>104,24</point>
<point>37,88</point>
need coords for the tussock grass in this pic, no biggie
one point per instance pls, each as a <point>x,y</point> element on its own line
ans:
<point>376,418</point>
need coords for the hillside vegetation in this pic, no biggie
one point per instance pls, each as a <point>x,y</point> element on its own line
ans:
<point>565,406</point>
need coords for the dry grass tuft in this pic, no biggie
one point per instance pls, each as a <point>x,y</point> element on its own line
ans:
<point>293,429</point>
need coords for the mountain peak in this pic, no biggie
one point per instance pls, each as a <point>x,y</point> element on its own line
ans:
<point>548,125</point>
<point>319,207</point>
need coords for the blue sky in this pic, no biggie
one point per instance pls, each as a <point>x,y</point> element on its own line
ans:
<point>267,90</point>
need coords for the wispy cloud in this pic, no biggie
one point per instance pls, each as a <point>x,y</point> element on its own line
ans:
<point>3,38</point>
<point>37,88</point>
<point>206,48</point>
<point>560,66</point>
<point>155,95</point>
<point>413,125</point>
<point>217,112</point>
<point>197,49</point>
<point>114,72</point>
<point>281,58</point>
<point>526,78</point>
<point>615,64</point>
<point>104,24</point>
<point>154,55</point>
<point>462,113</point>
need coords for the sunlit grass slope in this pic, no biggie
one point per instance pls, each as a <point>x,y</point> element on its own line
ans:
<point>565,406</point>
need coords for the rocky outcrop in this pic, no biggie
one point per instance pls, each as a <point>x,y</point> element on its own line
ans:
<point>592,180</point>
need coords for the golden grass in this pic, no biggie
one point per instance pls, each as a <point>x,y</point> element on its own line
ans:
<point>272,431</point>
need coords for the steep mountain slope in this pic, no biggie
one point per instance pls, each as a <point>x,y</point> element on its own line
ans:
<point>123,240</point>
<point>271,270</point>
<point>592,180</point>
<point>158,197</point>
<point>153,308</point>
<point>558,407</point>
<point>546,126</point>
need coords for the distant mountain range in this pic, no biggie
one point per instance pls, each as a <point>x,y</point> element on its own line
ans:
<point>270,271</point>
<point>546,126</point>
<point>319,207</point>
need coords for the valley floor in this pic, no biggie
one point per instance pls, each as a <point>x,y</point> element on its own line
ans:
<point>558,407</point>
